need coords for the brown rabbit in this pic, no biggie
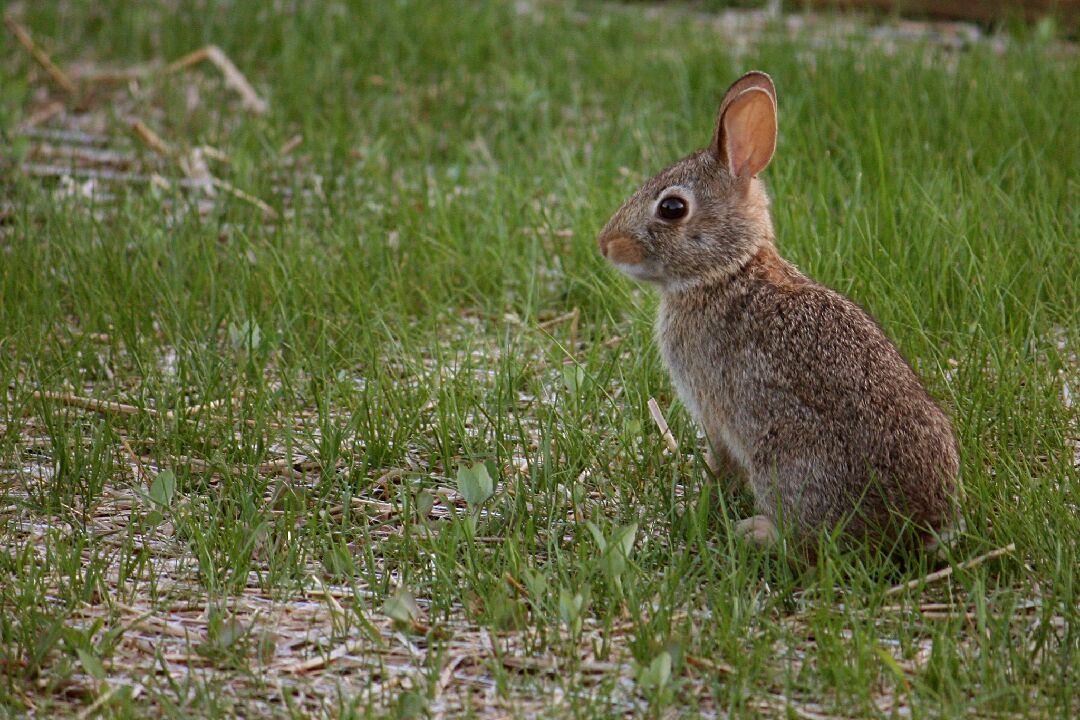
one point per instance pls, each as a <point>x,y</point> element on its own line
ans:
<point>795,385</point>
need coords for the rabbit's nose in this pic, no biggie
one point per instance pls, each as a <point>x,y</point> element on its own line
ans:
<point>608,239</point>
<point>621,248</point>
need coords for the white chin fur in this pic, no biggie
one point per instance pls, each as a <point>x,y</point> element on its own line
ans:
<point>638,272</point>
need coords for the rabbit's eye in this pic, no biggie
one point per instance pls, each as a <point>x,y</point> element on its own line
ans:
<point>671,208</point>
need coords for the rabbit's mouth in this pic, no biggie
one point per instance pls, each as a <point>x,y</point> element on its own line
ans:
<point>629,257</point>
<point>642,271</point>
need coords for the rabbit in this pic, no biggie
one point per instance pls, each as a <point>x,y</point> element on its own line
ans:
<point>796,387</point>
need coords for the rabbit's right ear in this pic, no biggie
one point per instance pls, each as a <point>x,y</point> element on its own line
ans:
<point>745,136</point>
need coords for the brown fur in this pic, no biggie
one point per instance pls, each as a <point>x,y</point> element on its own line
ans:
<point>792,382</point>
<point>624,250</point>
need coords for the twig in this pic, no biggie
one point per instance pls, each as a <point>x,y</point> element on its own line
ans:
<point>66,136</point>
<point>45,113</point>
<point>386,509</point>
<point>82,154</point>
<point>111,406</point>
<point>113,76</point>
<point>321,661</point>
<point>214,154</point>
<point>709,665</point>
<point>233,77</point>
<point>194,166</point>
<point>145,619</point>
<point>192,409</point>
<point>512,582</point>
<point>237,192</point>
<point>447,674</point>
<point>195,463</point>
<point>946,572</point>
<point>102,406</point>
<point>150,138</point>
<point>665,431</point>
<point>572,315</point>
<point>160,181</point>
<point>103,698</point>
<point>276,466</point>
<point>135,458</point>
<point>40,55</point>
<point>193,163</point>
<point>290,145</point>
<point>784,703</point>
<point>41,170</point>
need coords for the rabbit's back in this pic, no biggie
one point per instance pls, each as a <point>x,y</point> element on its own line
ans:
<point>804,391</point>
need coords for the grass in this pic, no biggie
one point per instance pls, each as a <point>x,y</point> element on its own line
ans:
<point>429,315</point>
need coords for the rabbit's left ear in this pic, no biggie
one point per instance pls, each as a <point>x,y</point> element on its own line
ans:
<point>745,136</point>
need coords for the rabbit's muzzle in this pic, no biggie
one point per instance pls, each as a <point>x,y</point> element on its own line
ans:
<point>602,241</point>
<point>620,249</point>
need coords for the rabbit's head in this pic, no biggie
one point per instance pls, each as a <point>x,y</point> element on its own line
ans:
<point>706,215</point>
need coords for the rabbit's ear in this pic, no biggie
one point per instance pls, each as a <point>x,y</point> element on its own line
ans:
<point>754,78</point>
<point>745,135</point>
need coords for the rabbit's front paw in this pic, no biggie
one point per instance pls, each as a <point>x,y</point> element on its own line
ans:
<point>758,530</point>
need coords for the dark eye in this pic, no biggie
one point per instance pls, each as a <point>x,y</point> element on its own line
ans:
<point>671,208</point>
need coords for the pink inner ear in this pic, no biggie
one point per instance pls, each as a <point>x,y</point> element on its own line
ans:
<point>750,132</point>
